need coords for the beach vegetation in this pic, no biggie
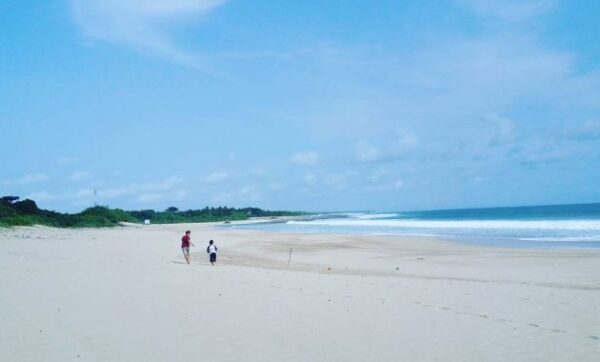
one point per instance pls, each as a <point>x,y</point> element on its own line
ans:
<point>26,212</point>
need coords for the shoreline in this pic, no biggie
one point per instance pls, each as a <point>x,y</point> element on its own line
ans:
<point>522,242</point>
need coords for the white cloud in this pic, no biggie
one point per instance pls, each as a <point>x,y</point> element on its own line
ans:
<point>32,178</point>
<point>142,24</point>
<point>391,146</point>
<point>437,102</point>
<point>115,192</point>
<point>340,180</point>
<point>308,158</point>
<point>310,179</point>
<point>250,193</point>
<point>150,197</point>
<point>148,192</point>
<point>277,186</point>
<point>41,196</point>
<point>222,198</point>
<point>504,130</point>
<point>365,152</point>
<point>216,177</point>
<point>540,152</point>
<point>510,10</point>
<point>68,196</point>
<point>388,186</point>
<point>377,175</point>
<point>165,185</point>
<point>383,179</point>
<point>259,171</point>
<point>587,130</point>
<point>398,184</point>
<point>66,160</point>
<point>80,176</point>
<point>402,141</point>
<point>27,179</point>
<point>181,195</point>
<point>246,194</point>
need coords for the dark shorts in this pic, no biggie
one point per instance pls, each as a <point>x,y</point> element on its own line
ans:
<point>213,257</point>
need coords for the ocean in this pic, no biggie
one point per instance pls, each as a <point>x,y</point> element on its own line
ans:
<point>547,226</point>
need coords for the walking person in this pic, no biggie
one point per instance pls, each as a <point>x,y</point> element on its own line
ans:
<point>212,252</point>
<point>186,241</point>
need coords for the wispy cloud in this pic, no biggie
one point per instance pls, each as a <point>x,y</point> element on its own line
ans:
<point>539,152</point>
<point>80,176</point>
<point>246,194</point>
<point>26,179</point>
<point>340,181</point>
<point>145,25</point>
<point>383,179</point>
<point>147,192</point>
<point>392,185</point>
<point>366,152</point>
<point>75,197</point>
<point>587,130</point>
<point>504,131</point>
<point>510,10</point>
<point>460,96</point>
<point>164,185</point>
<point>392,146</point>
<point>150,198</point>
<point>308,158</point>
<point>32,178</point>
<point>310,179</point>
<point>216,177</point>
<point>66,160</point>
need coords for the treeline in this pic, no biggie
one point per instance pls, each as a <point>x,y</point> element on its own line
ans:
<point>14,212</point>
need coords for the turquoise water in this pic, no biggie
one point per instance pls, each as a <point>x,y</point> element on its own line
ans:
<point>549,226</point>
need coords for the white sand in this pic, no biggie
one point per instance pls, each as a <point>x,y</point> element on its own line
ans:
<point>124,294</point>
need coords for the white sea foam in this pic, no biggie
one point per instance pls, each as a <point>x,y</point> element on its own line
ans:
<point>590,238</point>
<point>578,225</point>
<point>374,216</point>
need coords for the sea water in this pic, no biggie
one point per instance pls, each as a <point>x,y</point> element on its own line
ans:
<point>549,226</point>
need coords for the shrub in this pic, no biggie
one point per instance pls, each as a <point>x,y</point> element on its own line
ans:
<point>26,206</point>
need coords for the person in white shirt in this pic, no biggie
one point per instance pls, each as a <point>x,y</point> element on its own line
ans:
<point>212,252</point>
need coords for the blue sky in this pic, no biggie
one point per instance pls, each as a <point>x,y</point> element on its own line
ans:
<point>308,105</point>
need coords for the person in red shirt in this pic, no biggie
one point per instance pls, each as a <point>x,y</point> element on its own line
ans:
<point>186,241</point>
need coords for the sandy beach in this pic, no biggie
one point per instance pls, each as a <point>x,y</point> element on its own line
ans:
<point>126,294</point>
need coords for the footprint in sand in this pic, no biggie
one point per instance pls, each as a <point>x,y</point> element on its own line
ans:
<point>595,338</point>
<point>534,325</point>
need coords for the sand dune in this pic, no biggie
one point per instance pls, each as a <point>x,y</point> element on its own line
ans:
<point>125,294</point>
